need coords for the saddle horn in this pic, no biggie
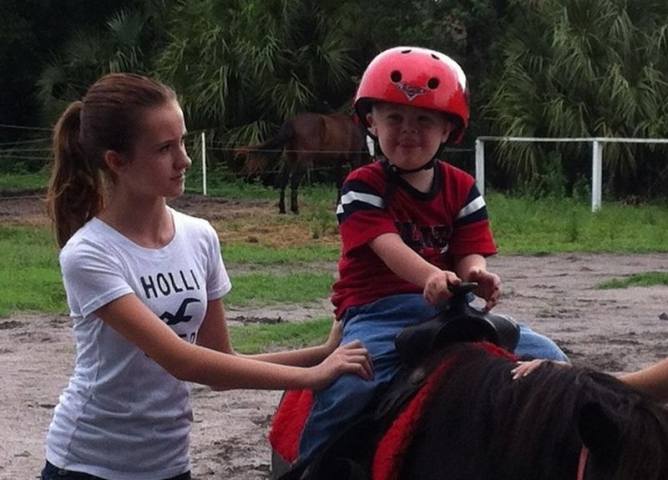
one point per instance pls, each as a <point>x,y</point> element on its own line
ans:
<point>459,321</point>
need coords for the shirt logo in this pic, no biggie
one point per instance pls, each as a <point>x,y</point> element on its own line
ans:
<point>180,315</point>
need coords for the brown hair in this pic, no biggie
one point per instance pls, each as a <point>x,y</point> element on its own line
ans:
<point>107,118</point>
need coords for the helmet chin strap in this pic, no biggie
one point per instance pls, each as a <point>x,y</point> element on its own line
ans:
<point>403,171</point>
<point>426,166</point>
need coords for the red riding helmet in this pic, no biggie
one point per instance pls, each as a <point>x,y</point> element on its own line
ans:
<point>416,77</point>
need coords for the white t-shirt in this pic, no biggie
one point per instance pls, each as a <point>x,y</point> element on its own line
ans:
<point>122,416</point>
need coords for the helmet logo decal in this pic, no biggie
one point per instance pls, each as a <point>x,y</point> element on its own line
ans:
<point>410,91</point>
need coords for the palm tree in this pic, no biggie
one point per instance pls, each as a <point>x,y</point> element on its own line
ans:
<point>244,66</point>
<point>583,68</point>
<point>124,43</point>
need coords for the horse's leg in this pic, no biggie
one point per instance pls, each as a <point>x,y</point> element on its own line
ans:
<point>281,184</point>
<point>296,177</point>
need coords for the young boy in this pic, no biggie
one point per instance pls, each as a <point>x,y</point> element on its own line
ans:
<point>410,225</point>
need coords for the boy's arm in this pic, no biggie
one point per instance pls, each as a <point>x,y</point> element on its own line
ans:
<point>468,266</point>
<point>473,268</point>
<point>410,266</point>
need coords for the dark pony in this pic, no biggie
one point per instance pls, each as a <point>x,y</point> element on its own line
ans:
<point>309,139</point>
<point>454,412</point>
<point>471,421</point>
<point>558,423</point>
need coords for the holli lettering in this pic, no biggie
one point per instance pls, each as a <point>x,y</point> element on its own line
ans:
<point>164,284</point>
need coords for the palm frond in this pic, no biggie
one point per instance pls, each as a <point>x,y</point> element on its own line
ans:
<point>126,27</point>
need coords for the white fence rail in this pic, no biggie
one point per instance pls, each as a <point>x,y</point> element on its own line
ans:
<point>596,162</point>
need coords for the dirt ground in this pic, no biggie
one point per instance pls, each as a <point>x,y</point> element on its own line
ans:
<point>616,331</point>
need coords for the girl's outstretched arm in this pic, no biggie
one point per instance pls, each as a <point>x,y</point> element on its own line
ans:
<point>221,368</point>
<point>652,380</point>
<point>214,334</point>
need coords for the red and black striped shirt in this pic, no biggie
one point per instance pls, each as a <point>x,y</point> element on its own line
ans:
<point>451,219</point>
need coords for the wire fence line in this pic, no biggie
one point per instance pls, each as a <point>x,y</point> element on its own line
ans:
<point>20,153</point>
<point>37,154</point>
<point>24,127</point>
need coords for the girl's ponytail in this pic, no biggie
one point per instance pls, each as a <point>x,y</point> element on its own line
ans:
<point>75,189</point>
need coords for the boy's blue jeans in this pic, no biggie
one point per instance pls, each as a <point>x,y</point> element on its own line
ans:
<point>377,324</point>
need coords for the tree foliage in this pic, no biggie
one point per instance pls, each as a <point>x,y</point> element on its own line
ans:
<point>124,41</point>
<point>583,68</point>
<point>242,67</point>
<point>571,68</point>
<point>32,30</point>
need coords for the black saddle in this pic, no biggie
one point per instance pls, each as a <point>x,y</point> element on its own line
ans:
<point>459,321</point>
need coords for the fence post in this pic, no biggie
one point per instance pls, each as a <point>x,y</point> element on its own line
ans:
<point>480,166</point>
<point>596,175</point>
<point>203,139</point>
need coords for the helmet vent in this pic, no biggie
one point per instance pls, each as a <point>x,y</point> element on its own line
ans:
<point>395,76</point>
<point>433,83</point>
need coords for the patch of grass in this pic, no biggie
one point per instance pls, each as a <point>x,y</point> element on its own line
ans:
<point>646,279</point>
<point>251,339</point>
<point>31,280</point>
<point>17,182</point>
<point>232,190</point>
<point>240,253</point>
<point>527,226</point>
<point>261,289</point>
<point>31,277</point>
<point>241,190</point>
<point>323,223</point>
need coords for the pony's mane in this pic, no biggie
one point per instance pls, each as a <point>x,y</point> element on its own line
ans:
<point>534,418</point>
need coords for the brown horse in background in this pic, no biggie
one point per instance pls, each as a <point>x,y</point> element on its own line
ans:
<point>309,139</point>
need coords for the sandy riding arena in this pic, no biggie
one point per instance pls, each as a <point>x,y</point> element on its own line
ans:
<point>616,330</point>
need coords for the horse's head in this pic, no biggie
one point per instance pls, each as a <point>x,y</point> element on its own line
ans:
<point>621,433</point>
<point>242,152</point>
<point>254,163</point>
<point>554,424</point>
<point>623,438</point>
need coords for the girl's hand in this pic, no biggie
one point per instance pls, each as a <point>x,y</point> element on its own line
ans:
<point>525,368</point>
<point>489,287</point>
<point>436,289</point>
<point>351,358</point>
<point>334,339</point>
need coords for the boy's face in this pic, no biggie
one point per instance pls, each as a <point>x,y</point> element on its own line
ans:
<point>408,136</point>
